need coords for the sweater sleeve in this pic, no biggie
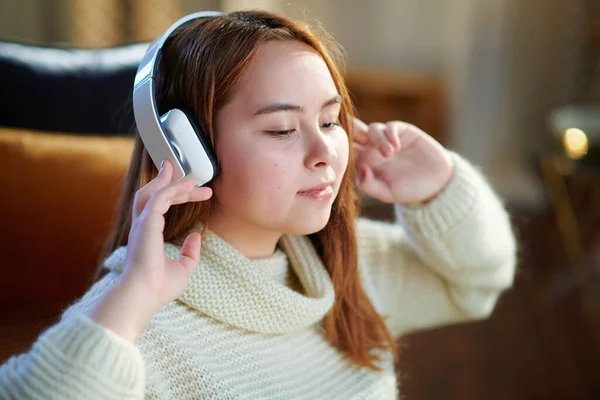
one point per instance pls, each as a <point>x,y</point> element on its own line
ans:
<point>445,262</point>
<point>75,359</point>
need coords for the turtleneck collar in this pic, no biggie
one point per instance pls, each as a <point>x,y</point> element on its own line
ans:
<point>231,288</point>
<point>276,266</point>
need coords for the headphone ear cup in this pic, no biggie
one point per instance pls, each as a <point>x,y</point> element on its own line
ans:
<point>173,136</point>
<point>208,148</point>
<point>191,145</point>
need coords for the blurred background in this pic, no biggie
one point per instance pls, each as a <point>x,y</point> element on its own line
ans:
<point>512,85</point>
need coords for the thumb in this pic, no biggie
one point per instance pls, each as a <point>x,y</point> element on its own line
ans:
<point>372,186</point>
<point>190,251</point>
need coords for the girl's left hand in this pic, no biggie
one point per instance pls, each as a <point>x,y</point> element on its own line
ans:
<point>399,163</point>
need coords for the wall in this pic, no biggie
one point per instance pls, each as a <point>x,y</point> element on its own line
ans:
<point>502,60</point>
<point>487,51</point>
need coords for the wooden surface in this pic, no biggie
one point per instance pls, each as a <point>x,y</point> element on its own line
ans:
<point>594,34</point>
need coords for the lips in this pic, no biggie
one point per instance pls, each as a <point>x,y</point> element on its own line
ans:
<point>322,192</point>
<point>317,188</point>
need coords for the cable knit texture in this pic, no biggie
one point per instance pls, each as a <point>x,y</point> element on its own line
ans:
<point>251,329</point>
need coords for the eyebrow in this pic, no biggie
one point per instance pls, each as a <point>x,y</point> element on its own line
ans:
<point>276,107</point>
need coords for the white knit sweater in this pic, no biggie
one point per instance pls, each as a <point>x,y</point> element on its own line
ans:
<point>251,329</point>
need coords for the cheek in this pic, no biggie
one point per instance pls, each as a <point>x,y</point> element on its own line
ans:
<point>342,148</point>
<point>251,175</point>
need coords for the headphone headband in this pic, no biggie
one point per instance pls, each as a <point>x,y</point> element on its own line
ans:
<point>148,121</point>
<point>151,57</point>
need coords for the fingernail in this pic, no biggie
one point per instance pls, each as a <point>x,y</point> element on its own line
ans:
<point>384,149</point>
<point>162,164</point>
<point>360,176</point>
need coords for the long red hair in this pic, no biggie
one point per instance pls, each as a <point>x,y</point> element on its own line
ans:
<point>212,54</point>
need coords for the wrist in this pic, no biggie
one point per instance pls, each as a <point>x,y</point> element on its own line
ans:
<point>423,202</point>
<point>124,310</point>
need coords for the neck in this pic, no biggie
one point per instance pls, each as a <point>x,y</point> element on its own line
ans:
<point>252,241</point>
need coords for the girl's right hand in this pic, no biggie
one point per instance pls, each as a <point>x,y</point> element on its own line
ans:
<point>151,280</point>
<point>162,278</point>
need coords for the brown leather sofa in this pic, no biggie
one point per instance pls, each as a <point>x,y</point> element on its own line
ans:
<point>64,150</point>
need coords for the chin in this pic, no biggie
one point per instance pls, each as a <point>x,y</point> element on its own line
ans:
<point>310,224</point>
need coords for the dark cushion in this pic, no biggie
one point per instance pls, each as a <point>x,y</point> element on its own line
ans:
<point>66,89</point>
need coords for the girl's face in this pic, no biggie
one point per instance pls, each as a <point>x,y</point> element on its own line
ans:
<point>279,138</point>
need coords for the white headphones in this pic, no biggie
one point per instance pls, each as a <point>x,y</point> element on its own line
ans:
<point>174,136</point>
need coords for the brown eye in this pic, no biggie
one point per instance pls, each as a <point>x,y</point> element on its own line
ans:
<point>330,125</point>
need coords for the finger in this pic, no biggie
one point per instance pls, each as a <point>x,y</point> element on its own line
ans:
<point>358,149</point>
<point>365,174</point>
<point>196,194</point>
<point>161,200</point>
<point>408,133</point>
<point>392,132</point>
<point>379,139</point>
<point>143,195</point>
<point>368,155</point>
<point>373,186</point>
<point>190,251</point>
<point>361,131</point>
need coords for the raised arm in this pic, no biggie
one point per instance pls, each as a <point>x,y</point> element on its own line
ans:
<point>443,262</point>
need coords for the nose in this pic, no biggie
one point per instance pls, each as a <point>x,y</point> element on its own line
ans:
<point>321,152</point>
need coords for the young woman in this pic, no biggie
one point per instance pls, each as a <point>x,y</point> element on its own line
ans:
<point>290,296</point>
